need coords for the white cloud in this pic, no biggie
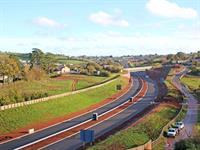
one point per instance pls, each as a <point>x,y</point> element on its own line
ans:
<point>169,9</point>
<point>107,43</point>
<point>46,22</point>
<point>107,19</point>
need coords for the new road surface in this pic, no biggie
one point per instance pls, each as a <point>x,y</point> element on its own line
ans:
<point>145,90</point>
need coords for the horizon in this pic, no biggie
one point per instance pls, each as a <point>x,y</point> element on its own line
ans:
<point>103,28</point>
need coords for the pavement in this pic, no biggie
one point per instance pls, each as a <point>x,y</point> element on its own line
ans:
<point>102,128</point>
<point>190,119</point>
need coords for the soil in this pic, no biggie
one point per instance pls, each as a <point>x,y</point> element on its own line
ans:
<point>43,125</point>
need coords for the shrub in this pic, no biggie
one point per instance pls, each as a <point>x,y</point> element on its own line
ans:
<point>3,101</point>
<point>105,74</point>
<point>193,143</point>
<point>35,74</point>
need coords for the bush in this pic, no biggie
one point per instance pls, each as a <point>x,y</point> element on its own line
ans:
<point>104,74</point>
<point>193,143</point>
<point>35,74</point>
<point>3,101</point>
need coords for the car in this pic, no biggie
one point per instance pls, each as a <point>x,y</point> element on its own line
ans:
<point>172,132</point>
<point>179,125</point>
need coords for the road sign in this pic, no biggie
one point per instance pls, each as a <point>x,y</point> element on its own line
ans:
<point>87,136</point>
<point>118,86</point>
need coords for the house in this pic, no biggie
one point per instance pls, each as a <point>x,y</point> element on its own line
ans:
<point>97,73</point>
<point>5,78</point>
<point>62,69</point>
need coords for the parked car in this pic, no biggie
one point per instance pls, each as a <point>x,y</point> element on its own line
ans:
<point>179,125</point>
<point>172,132</point>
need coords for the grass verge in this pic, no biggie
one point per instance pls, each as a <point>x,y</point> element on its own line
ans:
<point>27,90</point>
<point>16,118</point>
<point>139,134</point>
<point>193,83</point>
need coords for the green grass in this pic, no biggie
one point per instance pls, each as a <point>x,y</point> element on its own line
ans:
<point>71,61</point>
<point>160,145</point>
<point>172,91</point>
<point>193,83</point>
<point>16,118</point>
<point>15,92</point>
<point>148,129</point>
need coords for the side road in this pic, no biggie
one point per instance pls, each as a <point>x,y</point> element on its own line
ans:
<point>191,116</point>
<point>54,96</point>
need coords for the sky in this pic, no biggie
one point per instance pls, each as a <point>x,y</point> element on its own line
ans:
<point>100,27</point>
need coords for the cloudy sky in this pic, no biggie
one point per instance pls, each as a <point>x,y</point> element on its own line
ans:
<point>100,27</point>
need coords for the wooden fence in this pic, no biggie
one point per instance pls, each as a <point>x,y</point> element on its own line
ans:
<point>55,96</point>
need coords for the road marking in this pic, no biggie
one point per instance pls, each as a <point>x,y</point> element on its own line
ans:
<point>70,118</point>
<point>98,122</point>
<point>42,139</point>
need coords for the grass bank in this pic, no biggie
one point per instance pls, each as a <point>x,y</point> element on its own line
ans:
<point>16,118</point>
<point>193,83</point>
<point>139,134</point>
<point>27,90</point>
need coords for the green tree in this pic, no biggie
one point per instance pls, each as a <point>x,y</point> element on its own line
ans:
<point>8,67</point>
<point>44,61</point>
<point>48,62</point>
<point>36,57</point>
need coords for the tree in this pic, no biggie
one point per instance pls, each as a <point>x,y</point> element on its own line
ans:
<point>36,57</point>
<point>48,62</point>
<point>181,55</point>
<point>44,61</point>
<point>8,67</point>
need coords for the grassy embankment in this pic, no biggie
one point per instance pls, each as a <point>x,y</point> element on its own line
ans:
<point>193,83</point>
<point>20,117</point>
<point>174,94</point>
<point>149,128</point>
<point>26,90</point>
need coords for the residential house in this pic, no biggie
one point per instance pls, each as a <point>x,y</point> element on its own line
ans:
<point>62,69</point>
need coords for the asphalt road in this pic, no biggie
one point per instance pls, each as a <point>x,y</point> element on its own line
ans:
<point>191,116</point>
<point>107,125</point>
<point>41,134</point>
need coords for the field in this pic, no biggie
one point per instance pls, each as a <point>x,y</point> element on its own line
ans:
<point>24,90</point>
<point>20,117</point>
<point>193,82</point>
<point>149,128</point>
<point>70,61</point>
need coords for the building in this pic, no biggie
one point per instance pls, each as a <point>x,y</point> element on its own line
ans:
<point>5,78</point>
<point>62,69</point>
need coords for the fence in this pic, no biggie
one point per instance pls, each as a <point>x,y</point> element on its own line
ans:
<point>56,96</point>
<point>158,140</point>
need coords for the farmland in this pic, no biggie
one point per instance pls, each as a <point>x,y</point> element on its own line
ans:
<point>70,61</point>
<point>27,90</point>
<point>16,118</point>
<point>149,128</point>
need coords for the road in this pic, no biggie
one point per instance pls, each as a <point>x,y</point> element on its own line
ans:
<point>190,119</point>
<point>74,142</point>
<point>106,126</point>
